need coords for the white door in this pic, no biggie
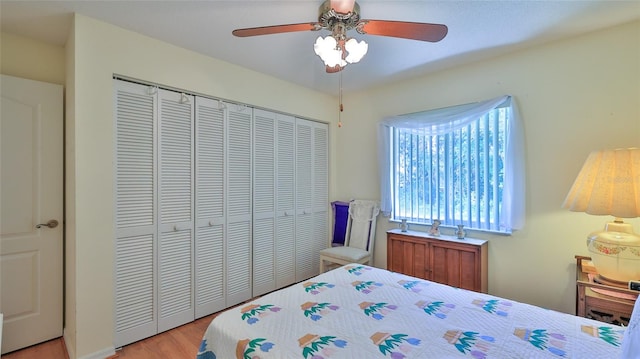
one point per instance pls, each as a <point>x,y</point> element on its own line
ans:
<point>285,201</point>
<point>175,199</point>
<point>136,224</point>
<point>320,150</point>
<point>239,204</point>
<point>264,184</point>
<point>209,257</point>
<point>306,259</point>
<point>31,150</point>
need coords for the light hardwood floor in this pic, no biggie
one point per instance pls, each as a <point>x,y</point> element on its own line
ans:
<point>181,342</point>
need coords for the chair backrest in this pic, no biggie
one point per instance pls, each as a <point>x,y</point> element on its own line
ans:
<point>361,227</point>
<point>341,218</point>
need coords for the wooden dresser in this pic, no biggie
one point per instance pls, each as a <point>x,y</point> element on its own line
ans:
<point>444,259</point>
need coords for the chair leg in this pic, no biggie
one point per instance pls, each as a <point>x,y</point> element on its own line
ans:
<point>321,265</point>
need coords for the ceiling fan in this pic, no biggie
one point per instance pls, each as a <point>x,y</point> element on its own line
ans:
<point>339,16</point>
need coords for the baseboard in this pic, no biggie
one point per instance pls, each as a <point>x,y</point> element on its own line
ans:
<point>70,352</point>
<point>65,347</point>
<point>101,354</point>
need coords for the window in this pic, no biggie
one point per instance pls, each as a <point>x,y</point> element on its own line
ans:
<point>455,165</point>
<point>455,177</point>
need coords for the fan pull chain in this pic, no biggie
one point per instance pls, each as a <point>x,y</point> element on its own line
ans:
<point>341,108</point>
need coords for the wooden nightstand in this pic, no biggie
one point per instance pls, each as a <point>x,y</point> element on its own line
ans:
<point>609,303</point>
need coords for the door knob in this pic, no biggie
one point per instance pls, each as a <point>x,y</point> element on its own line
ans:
<point>51,224</point>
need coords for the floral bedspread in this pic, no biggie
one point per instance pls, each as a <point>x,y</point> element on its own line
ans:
<point>357,311</point>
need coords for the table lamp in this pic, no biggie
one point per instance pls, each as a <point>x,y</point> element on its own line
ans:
<point>609,184</point>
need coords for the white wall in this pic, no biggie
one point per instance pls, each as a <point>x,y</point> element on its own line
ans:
<point>71,287</point>
<point>31,59</point>
<point>101,50</point>
<point>575,96</point>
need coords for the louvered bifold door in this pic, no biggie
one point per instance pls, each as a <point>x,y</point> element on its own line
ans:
<point>305,261</point>
<point>320,188</point>
<point>238,185</point>
<point>285,243</point>
<point>175,190</point>
<point>210,218</point>
<point>264,279</point>
<point>135,216</point>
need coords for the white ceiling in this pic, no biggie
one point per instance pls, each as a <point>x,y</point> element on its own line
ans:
<point>477,30</point>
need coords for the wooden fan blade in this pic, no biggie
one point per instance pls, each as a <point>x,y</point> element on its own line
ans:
<point>342,6</point>
<point>405,30</point>
<point>333,69</point>
<point>275,29</point>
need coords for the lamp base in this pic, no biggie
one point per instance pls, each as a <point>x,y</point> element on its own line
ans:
<point>616,255</point>
<point>618,226</point>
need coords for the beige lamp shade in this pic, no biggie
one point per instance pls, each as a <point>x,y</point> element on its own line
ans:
<point>609,184</point>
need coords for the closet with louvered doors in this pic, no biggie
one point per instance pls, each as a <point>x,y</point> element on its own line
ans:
<point>223,205</point>
<point>239,203</point>
<point>320,151</point>
<point>311,189</point>
<point>210,296</point>
<point>136,225</point>
<point>274,201</point>
<point>153,211</point>
<point>175,209</point>
<point>183,208</point>
<point>215,203</point>
<point>285,240</point>
<point>290,191</point>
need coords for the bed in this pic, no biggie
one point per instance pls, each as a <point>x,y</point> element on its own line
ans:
<point>358,311</point>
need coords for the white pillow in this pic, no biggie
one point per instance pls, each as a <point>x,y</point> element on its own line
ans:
<point>631,339</point>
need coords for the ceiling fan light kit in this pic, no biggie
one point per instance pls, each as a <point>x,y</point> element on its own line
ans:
<point>339,16</point>
<point>329,51</point>
<point>355,50</point>
<point>338,50</point>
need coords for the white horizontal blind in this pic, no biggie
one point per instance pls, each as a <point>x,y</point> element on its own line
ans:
<point>210,296</point>
<point>136,230</point>
<point>176,190</point>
